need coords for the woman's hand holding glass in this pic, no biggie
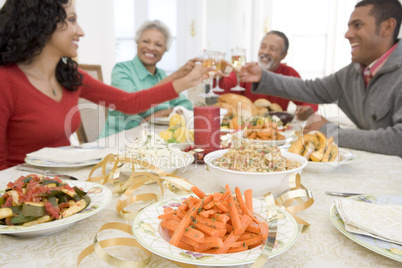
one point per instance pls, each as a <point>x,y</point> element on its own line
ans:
<point>210,61</point>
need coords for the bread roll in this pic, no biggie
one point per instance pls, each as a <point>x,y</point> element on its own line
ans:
<point>262,103</point>
<point>275,107</point>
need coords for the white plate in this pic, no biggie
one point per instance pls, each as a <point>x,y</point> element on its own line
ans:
<point>100,198</point>
<point>164,121</point>
<point>146,230</point>
<point>227,130</point>
<point>287,134</point>
<point>43,163</point>
<point>182,146</point>
<point>347,157</point>
<point>379,246</point>
<point>184,163</point>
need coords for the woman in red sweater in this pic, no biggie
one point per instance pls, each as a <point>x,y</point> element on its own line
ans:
<point>40,83</point>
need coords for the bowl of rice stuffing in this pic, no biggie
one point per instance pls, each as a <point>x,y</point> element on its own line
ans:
<point>257,166</point>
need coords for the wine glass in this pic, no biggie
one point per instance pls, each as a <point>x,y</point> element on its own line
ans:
<point>220,65</point>
<point>238,60</point>
<point>210,62</point>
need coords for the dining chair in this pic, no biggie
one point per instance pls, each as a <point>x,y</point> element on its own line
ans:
<point>93,116</point>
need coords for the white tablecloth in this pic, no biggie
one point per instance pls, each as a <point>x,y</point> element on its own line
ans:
<point>322,246</point>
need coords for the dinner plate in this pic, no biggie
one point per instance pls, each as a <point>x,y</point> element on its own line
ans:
<point>44,163</point>
<point>289,137</point>
<point>377,245</point>
<point>347,157</point>
<point>164,121</point>
<point>187,159</point>
<point>227,130</point>
<point>146,229</point>
<point>182,146</point>
<point>100,198</point>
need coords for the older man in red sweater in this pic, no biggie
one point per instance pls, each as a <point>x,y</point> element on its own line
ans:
<point>273,49</point>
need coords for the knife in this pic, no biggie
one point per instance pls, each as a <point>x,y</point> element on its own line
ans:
<point>341,194</point>
<point>25,167</point>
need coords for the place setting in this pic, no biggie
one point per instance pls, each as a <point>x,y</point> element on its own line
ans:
<point>372,221</point>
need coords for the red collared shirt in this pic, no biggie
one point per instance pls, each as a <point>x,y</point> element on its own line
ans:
<point>375,66</point>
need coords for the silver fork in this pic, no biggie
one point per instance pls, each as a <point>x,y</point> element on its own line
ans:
<point>46,172</point>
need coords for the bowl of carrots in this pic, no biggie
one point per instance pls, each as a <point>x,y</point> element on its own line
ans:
<point>261,181</point>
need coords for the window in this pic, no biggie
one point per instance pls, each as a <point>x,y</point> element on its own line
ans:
<point>129,15</point>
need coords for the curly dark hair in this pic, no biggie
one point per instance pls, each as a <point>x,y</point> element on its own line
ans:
<point>26,26</point>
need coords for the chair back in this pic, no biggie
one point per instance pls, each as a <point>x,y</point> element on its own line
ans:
<point>93,116</point>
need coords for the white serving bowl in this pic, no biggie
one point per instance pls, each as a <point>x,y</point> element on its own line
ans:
<point>261,183</point>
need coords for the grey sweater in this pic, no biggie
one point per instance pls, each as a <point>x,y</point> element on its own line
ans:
<point>376,111</point>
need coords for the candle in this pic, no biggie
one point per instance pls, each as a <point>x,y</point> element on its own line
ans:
<point>207,128</point>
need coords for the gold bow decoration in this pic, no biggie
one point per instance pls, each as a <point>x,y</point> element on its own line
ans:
<point>298,198</point>
<point>136,180</point>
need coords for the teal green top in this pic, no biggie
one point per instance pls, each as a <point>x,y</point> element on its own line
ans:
<point>132,76</point>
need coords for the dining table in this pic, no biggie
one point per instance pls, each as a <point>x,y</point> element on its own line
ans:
<point>322,245</point>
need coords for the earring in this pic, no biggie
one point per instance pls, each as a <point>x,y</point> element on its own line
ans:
<point>64,60</point>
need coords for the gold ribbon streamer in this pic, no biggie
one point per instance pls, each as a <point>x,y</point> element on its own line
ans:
<point>99,246</point>
<point>296,193</point>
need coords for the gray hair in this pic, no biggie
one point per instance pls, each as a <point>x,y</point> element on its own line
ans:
<point>158,25</point>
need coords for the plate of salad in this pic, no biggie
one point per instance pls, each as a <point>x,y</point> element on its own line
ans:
<point>35,205</point>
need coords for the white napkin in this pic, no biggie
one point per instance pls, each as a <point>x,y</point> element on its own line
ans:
<point>379,221</point>
<point>188,115</point>
<point>70,155</point>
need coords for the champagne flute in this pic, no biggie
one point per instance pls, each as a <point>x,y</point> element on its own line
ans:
<point>238,60</point>
<point>220,65</point>
<point>210,61</point>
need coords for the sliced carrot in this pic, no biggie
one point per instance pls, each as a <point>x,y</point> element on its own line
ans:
<point>198,192</point>
<point>264,230</point>
<point>222,218</point>
<point>230,239</point>
<point>243,206</point>
<point>167,215</point>
<point>185,246</point>
<point>217,196</point>
<point>238,249</point>
<point>247,235</point>
<point>209,230</point>
<point>234,216</point>
<point>253,228</point>
<point>167,209</point>
<point>186,240</point>
<point>185,222</point>
<point>248,196</point>
<point>257,240</point>
<point>221,206</point>
<point>216,223</point>
<point>209,222</point>
<point>210,242</point>
<point>183,207</point>
<point>190,232</point>
<point>209,205</point>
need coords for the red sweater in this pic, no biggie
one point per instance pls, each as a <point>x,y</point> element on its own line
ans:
<point>30,120</point>
<point>230,81</point>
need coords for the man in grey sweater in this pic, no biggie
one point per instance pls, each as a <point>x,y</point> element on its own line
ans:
<point>369,90</point>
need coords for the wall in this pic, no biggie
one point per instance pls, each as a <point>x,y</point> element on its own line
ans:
<point>98,45</point>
